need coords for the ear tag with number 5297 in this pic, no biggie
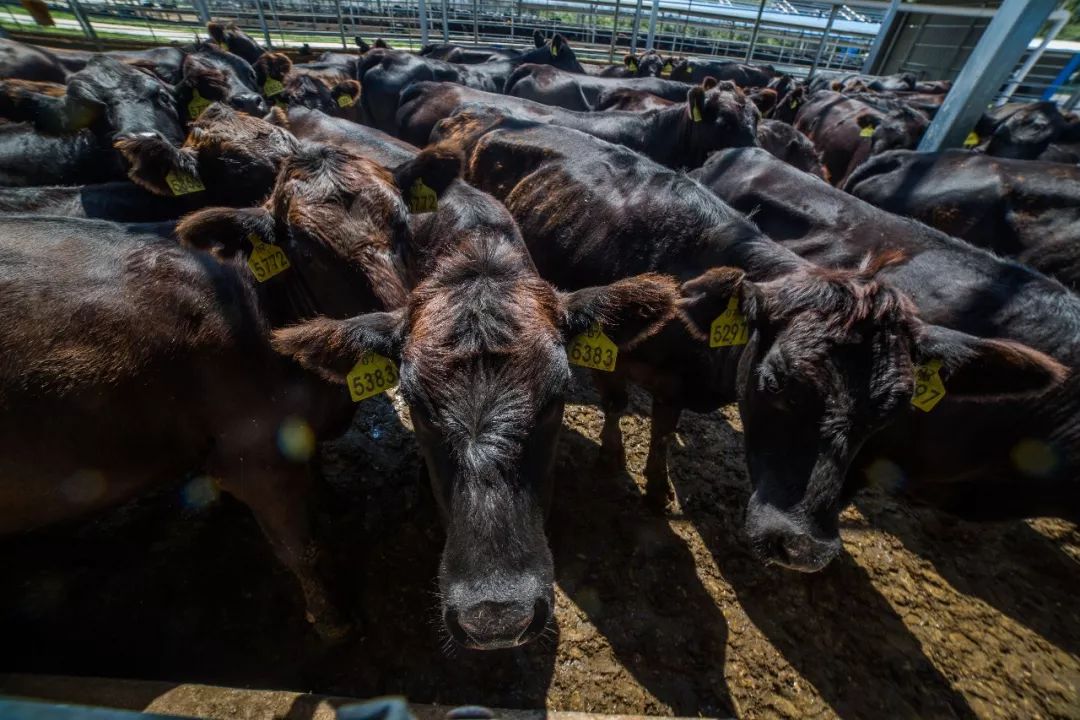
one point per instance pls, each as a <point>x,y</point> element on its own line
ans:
<point>370,376</point>
<point>929,388</point>
<point>182,183</point>
<point>422,198</point>
<point>729,328</point>
<point>593,349</point>
<point>266,260</point>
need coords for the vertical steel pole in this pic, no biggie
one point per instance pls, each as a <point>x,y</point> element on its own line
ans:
<point>1033,58</point>
<point>421,12</point>
<point>883,33</point>
<point>446,24</point>
<point>634,34</point>
<point>753,35</point>
<point>824,37</point>
<point>262,24</point>
<point>994,56</point>
<point>475,27</point>
<point>341,25</point>
<point>650,42</point>
<point>84,21</point>
<point>201,10</point>
<point>614,32</point>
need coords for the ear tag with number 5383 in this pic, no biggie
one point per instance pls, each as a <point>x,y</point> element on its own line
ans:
<point>373,374</point>
<point>266,260</point>
<point>729,328</point>
<point>929,388</point>
<point>593,349</point>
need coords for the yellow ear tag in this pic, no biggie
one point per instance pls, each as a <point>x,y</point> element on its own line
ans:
<point>593,349</point>
<point>867,131</point>
<point>971,140</point>
<point>272,87</point>
<point>182,183</point>
<point>554,50</point>
<point>224,45</point>
<point>729,328</point>
<point>793,104</point>
<point>197,105</point>
<point>422,198</point>
<point>689,68</point>
<point>266,260</point>
<point>695,113</point>
<point>666,70</point>
<point>632,65</point>
<point>929,389</point>
<point>373,374</point>
<point>345,101</point>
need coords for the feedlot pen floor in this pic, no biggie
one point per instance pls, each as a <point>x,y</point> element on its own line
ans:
<point>921,616</point>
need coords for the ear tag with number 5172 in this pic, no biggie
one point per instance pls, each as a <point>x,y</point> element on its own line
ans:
<point>593,349</point>
<point>373,374</point>
<point>729,328</point>
<point>266,260</point>
<point>929,388</point>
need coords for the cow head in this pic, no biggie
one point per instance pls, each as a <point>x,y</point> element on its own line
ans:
<point>1028,132</point>
<point>831,359</point>
<point>231,38</point>
<point>213,75</point>
<point>481,352</point>
<point>764,99</point>
<point>718,118</point>
<point>118,100</point>
<point>236,157</point>
<point>270,69</point>
<point>788,106</point>
<point>555,51</point>
<point>900,128</point>
<point>648,64</point>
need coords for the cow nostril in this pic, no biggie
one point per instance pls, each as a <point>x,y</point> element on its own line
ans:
<point>492,625</point>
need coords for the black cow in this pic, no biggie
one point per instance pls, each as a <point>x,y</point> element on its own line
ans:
<point>230,37</point>
<point>648,64</point>
<point>27,62</point>
<point>829,355</point>
<point>1025,131</point>
<point>468,55</point>
<point>385,73</point>
<point>695,70</point>
<point>681,135</point>
<point>121,201</point>
<point>552,86</point>
<point>1025,209</point>
<point>791,146</point>
<point>996,446</point>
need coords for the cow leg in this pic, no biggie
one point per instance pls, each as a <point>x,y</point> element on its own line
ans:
<point>279,499</point>
<point>665,419</point>
<point>613,401</point>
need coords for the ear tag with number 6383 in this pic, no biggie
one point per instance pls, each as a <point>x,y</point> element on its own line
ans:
<point>593,349</point>
<point>272,87</point>
<point>929,388</point>
<point>373,374</point>
<point>197,105</point>
<point>182,183</point>
<point>729,328</point>
<point>266,260</point>
<point>422,198</point>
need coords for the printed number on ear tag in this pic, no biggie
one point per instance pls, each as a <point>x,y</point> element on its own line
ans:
<point>266,260</point>
<point>422,198</point>
<point>867,131</point>
<point>345,101</point>
<point>929,389</point>
<point>372,375</point>
<point>593,349</point>
<point>971,140</point>
<point>272,87</point>
<point>197,105</point>
<point>696,114</point>
<point>182,183</point>
<point>729,328</point>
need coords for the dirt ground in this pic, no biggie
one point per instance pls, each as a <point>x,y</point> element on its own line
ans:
<point>922,616</point>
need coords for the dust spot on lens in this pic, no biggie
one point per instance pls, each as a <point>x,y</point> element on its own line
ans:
<point>1034,458</point>
<point>200,492</point>
<point>296,440</point>
<point>84,487</point>
<point>885,474</point>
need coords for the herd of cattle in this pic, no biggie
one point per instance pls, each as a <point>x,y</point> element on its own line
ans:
<point>209,250</point>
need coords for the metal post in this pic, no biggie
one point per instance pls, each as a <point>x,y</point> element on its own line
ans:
<point>262,24</point>
<point>824,37</point>
<point>883,33</point>
<point>475,29</point>
<point>652,25</point>
<point>614,32</point>
<point>84,21</point>
<point>1060,18</point>
<point>753,35</point>
<point>341,25</point>
<point>633,35</point>
<point>446,25</point>
<point>996,53</point>
<point>201,10</point>
<point>277,21</point>
<point>421,12</point>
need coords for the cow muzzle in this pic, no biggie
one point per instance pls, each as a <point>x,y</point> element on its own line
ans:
<point>778,538</point>
<point>493,625</point>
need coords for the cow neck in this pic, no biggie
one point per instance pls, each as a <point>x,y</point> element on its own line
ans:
<point>668,134</point>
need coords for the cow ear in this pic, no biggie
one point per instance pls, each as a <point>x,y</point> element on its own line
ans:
<point>695,103</point>
<point>272,66</point>
<point>346,93</point>
<point>332,347</point>
<point>706,296</point>
<point>709,83</point>
<point>975,367</point>
<point>216,31</point>
<point>628,310</point>
<point>160,167</point>
<point>630,61</point>
<point>380,43</point>
<point>226,232</point>
<point>538,39</point>
<point>364,47</point>
<point>277,116</point>
<point>557,44</point>
<point>434,168</point>
<point>866,120</point>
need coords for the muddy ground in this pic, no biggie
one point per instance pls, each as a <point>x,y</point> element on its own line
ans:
<point>922,616</point>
